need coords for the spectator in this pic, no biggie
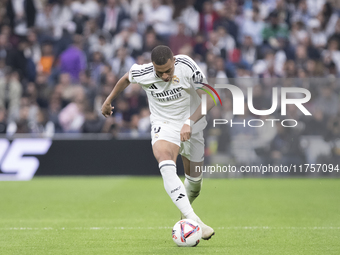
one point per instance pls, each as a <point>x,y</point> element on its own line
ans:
<point>180,39</point>
<point>265,67</point>
<point>89,86</point>
<point>33,50</point>
<point>122,115</point>
<point>273,29</point>
<point>135,98</point>
<point>72,117</point>
<point>3,121</point>
<point>226,41</point>
<point>211,64</point>
<point>61,17</point>
<point>10,93</point>
<point>315,6</point>
<point>133,128</point>
<point>141,25</point>
<point>221,70</point>
<point>301,56</point>
<point>65,87</point>
<point>298,34</point>
<point>190,17</point>
<point>150,41</point>
<point>45,22</point>
<point>200,47</point>
<point>4,46</point>
<point>249,52</point>
<point>332,53</point>
<point>111,17</point>
<point>104,47</point>
<point>122,63</point>
<point>129,38</point>
<point>160,18</point>
<point>43,126</point>
<point>73,60</point>
<point>54,108</point>
<point>21,15</point>
<point>337,30</point>
<point>328,18</point>
<point>85,8</point>
<point>42,90</point>
<point>216,46</point>
<point>92,123</point>
<point>47,59</point>
<point>139,6</point>
<point>144,125</point>
<point>289,70</point>
<point>21,125</point>
<point>302,14</point>
<point>208,18</point>
<point>96,67</point>
<point>17,60</point>
<point>226,19</point>
<point>253,27</point>
<point>92,33</point>
<point>318,37</point>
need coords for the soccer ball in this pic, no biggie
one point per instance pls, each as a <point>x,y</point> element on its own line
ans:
<point>186,233</point>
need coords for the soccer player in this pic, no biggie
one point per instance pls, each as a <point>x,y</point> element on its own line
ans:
<point>171,84</point>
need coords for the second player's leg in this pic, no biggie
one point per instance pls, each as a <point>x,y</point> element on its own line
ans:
<point>193,178</point>
<point>191,168</point>
<point>193,183</point>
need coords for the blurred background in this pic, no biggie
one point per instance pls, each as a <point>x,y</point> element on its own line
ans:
<point>59,60</point>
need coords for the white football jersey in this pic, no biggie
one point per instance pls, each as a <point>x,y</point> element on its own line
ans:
<point>174,101</point>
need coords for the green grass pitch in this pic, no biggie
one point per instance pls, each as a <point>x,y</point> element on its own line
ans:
<point>125,215</point>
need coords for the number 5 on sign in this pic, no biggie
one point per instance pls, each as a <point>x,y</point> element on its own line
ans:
<point>14,164</point>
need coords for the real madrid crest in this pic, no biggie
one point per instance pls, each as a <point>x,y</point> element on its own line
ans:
<point>175,79</point>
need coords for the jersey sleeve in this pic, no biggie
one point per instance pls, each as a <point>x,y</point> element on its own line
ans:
<point>195,74</point>
<point>132,70</point>
<point>138,73</point>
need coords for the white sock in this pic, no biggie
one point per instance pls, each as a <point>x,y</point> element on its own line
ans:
<point>193,186</point>
<point>174,187</point>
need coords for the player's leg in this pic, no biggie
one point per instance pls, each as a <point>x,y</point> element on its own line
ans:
<point>166,154</point>
<point>193,184</point>
<point>193,178</point>
<point>192,152</point>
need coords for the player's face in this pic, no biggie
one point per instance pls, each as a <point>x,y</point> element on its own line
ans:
<point>166,71</point>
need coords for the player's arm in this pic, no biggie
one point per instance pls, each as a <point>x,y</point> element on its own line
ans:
<point>120,86</point>
<point>196,116</point>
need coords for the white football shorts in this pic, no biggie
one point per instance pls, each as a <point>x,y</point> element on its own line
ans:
<point>193,149</point>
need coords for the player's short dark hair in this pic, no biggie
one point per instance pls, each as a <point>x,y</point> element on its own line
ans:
<point>161,54</point>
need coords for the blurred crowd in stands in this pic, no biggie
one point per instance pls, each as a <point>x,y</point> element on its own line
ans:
<point>59,59</point>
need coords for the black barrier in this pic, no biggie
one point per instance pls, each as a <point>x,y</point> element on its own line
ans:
<point>21,158</point>
<point>99,157</point>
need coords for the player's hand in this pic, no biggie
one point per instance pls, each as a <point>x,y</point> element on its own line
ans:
<point>185,132</point>
<point>107,109</point>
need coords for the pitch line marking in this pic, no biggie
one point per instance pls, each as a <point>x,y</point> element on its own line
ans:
<point>155,228</point>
